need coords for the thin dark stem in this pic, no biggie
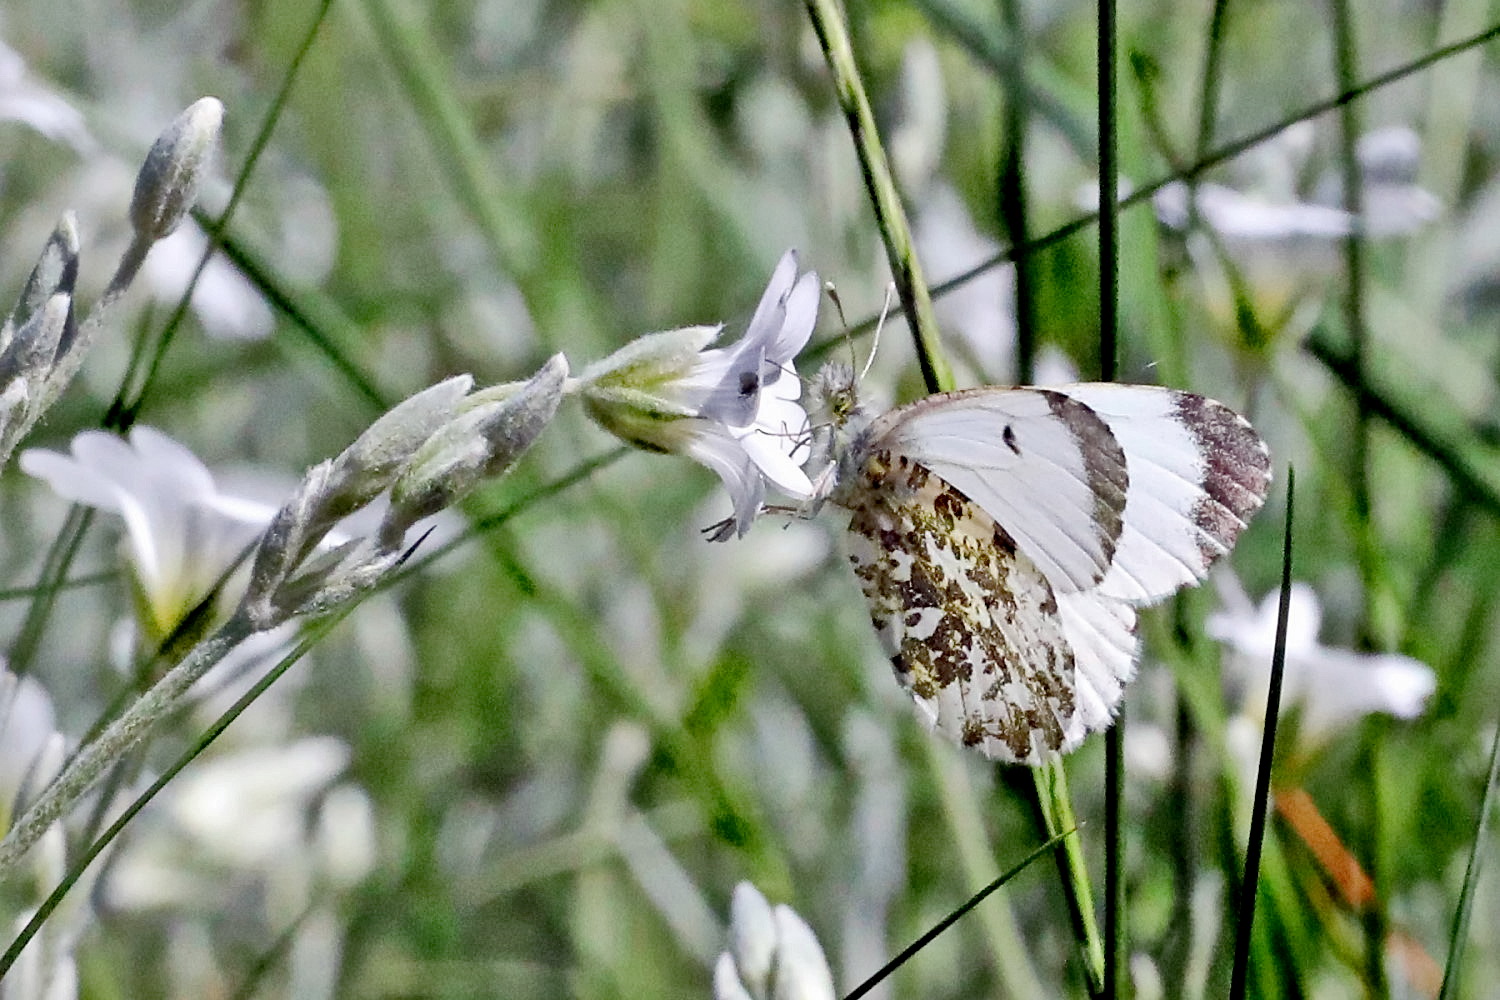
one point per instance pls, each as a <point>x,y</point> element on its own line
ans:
<point>1109,320</point>
<point>1012,191</point>
<point>127,405</point>
<point>1220,155</point>
<point>76,871</point>
<point>931,934</point>
<point>49,583</point>
<point>1258,808</point>
<point>1459,932</point>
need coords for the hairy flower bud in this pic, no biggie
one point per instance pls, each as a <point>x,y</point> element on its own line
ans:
<point>168,183</point>
<point>491,432</point>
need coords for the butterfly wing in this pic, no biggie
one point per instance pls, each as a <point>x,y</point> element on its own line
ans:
<point>971,625</point>
<point>1070,507</point>
<point>1170,478</point>
<point>1042,464</point>
<point>1198,472</point>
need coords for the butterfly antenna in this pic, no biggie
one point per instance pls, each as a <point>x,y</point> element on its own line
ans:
<point>832,291</point>
<point>885,310</point>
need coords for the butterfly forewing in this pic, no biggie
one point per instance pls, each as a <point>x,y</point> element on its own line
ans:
<point>1197,471</point>
<point>1040,463</point>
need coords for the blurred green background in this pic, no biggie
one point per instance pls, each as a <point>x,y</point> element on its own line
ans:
<point>579,730</point>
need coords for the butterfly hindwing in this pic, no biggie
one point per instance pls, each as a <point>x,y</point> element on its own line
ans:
<point>971,625</point>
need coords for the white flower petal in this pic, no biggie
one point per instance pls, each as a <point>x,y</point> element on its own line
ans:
<point>727,985</point>
<point>798,320</point>
<point>752,937</point>
<point>768,453</point>
<point>69,479</point>
<point>769,312</point>
<point>181,531</point>
<point>1330,687</point>
<point>711,445</point>
<point>801,969</point>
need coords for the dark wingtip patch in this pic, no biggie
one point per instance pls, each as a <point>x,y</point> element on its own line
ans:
<point>1236,472</point>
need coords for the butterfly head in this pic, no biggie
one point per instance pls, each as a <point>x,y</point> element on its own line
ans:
<point>840,420</point>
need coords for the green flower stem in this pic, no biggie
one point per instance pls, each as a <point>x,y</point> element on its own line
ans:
<point>833,35</point>
<point>1221,154</point>
<point>1056,807</point>
<point>516,246</point>
<point>1008,949</point>
<point>142,372</point>
<point>94,759</point>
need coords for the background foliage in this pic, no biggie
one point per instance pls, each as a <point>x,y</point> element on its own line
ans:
<point>582,727</point>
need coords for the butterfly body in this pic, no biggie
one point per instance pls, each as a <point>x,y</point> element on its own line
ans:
<point>1004,538</point>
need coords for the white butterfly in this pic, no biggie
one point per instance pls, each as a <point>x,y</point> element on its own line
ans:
<point>1005,537</point>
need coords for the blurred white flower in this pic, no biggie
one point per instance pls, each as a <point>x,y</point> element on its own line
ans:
<point>31,750</point>
<point>1329,687</point>
<point>23,100</point>
<point>980,311</point>
<point>182,532</point>
<point>270,820</point>
<point>1278,248</point>
<point>31,754</point>
<point>228,305</point>
<point>773,954</point>
<point>733,409</point>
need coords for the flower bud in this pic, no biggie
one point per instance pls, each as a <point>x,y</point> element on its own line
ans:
<point>168,183</point>
<point>34,346</point>
<point>56,271</point>
<point>377,456</point>
<point>483,441</point>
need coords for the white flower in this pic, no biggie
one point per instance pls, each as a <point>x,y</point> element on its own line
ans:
<point>1331,687</point>
<point>773,954</point>
<point>271,824</point>
<point>31,750</point>
<point>225,302</point>
<point>23,100</point>
<point>31,754</point>
<point>980,311</point>
<point>1279,248</point>
<point>733,409</point>
<point>183,533</point>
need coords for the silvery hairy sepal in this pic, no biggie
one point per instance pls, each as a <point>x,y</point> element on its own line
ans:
<point>56,272</point>
<point>429,450</point>
<point>30,350</point>
<point>168,183</point>
<point>38,331</point>
<point>494,427</point>
<point>378,456</point>
<point>288,539</point>
<point>24,365</point>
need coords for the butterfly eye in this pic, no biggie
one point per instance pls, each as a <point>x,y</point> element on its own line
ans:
<point>749,384</point>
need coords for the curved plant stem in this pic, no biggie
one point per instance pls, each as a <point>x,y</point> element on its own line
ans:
<point>1239,971</point>
<point>916,302</point>
<point>90,763</point>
